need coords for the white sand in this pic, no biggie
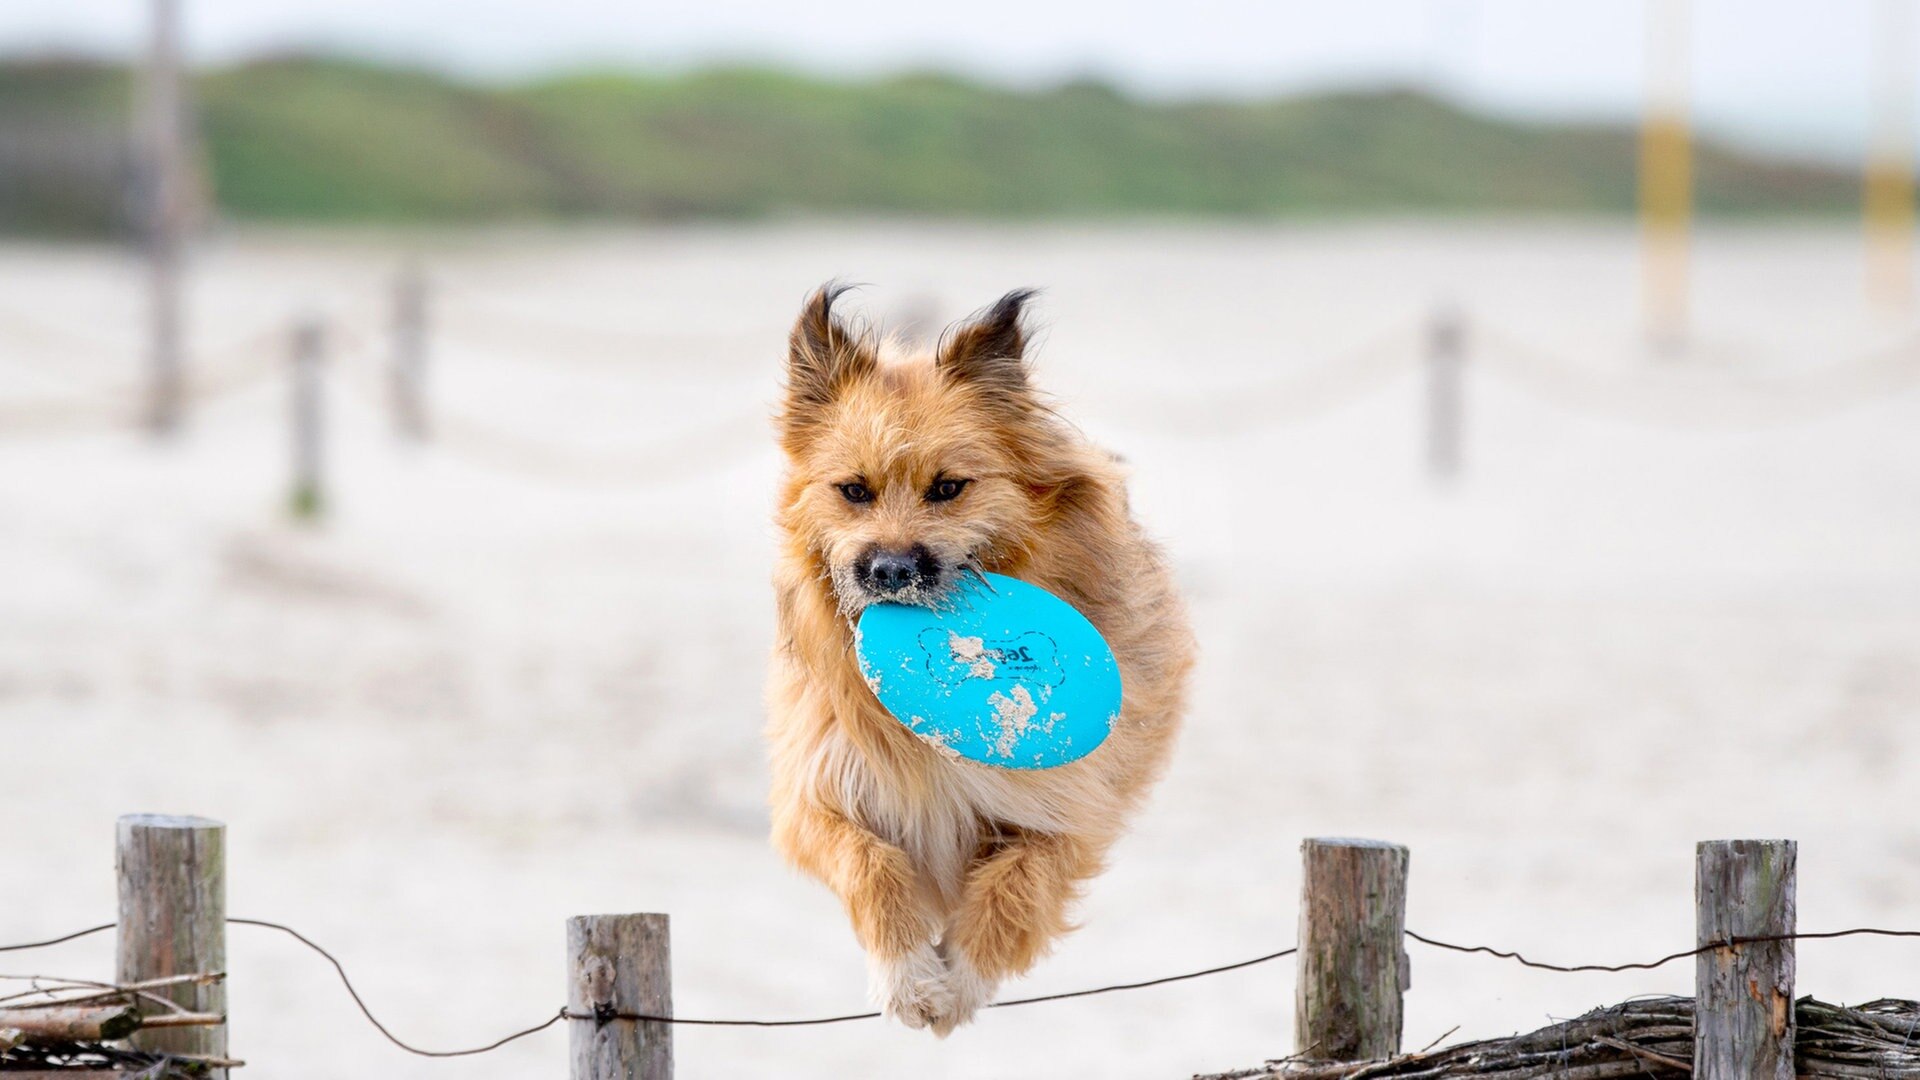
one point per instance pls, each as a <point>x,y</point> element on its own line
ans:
<point>517,675</point>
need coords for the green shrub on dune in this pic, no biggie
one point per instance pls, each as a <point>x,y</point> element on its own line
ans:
<point>306,139</point>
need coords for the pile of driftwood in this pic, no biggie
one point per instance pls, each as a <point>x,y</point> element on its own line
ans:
<point>77,1060</point>
<point>1649,1037</point>
<point>72,1028</point>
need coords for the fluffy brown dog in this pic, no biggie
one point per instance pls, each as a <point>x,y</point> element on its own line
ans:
<point>903,474</point>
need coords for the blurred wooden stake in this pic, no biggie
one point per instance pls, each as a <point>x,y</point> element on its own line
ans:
<point>1887,197</point>
<point>308,494</point>
<point>1446,360</point>
<point>409,363</point>
<point>164,200</point>
<point>1666,176</point>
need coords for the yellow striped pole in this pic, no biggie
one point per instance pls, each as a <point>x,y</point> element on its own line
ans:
<point>1666,175</point>
<point>1887,195</point>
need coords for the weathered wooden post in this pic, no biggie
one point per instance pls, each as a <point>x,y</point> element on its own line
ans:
<point>1446,362</point>
<point>619,964</point>
<point>1352,961</point>
<point>1743,993</point>
<point>407,378</point>
<point>307,497</point>
<point>173,921</point>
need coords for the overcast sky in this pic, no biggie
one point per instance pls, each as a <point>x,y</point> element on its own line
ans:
<point>1788,72</point>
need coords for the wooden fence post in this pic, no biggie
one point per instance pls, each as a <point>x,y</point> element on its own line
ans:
<point>1446,361</point>
<point>1352,961</point>
<point>408,375</point>
<point>1743,994</point>
<point>307,498</point>
<point>619,964</point>
<point>173,921</point>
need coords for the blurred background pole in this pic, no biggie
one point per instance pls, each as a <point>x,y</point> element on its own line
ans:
<point>164,205</point>
<point>1666,174</point>
<point>1887,200</point>
<point>409,362</point>
<point>308,494</point>
<point>1446,356</point>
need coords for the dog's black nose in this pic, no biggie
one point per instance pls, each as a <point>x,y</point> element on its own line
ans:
<point>896,571</point>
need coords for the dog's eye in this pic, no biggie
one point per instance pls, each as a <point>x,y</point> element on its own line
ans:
<point>856,492</point>
<point>944,490</point>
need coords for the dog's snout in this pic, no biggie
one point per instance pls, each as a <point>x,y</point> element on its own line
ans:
<point>893,571</point>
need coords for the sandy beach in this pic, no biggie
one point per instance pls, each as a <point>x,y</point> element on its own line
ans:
<point>515,673</point>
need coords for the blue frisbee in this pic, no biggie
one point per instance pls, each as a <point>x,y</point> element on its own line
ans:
<point>1005,673</point>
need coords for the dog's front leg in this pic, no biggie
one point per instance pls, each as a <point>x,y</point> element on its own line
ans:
<point>889,902</point>
<point>1013,907</point>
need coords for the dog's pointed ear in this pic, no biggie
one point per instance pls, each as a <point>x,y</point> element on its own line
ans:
<point>823,355</point>
<point>990,350</point>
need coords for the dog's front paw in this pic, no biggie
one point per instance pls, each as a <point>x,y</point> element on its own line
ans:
<point>970,992</point>
<point>913,989</point>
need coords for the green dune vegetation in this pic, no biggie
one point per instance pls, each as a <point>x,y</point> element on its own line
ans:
<point>306,139</point>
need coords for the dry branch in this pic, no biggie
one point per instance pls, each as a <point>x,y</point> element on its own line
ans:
<point>84,1022</point>
<point>1651,1037</point>
<point>57,991</point>
<point>66,1027</point>
<point>183,1019</point>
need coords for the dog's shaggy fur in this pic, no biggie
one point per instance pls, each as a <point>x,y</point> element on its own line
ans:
<point>956,875</point>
